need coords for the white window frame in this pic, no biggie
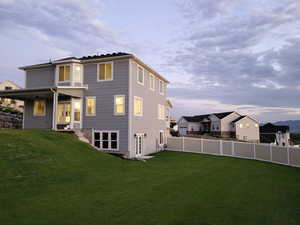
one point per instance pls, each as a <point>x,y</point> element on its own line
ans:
<point>151,76</point>
<point>115,108</point>
<point>86,105</point>
<point>163,137</point>
<point>112,71</point>
<point>73,73</point>
<point>57,74</point>
<point>137,73</point>
<point>109,139</point>
<point>142,105</point>
<point>34,113</point>
<point>161,87</point>
<point>161,112</point>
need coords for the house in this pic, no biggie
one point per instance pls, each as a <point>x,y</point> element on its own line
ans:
<point>276,135</point>
<point>225,124</point>
<point>116,100</point>
<point>15,104</point>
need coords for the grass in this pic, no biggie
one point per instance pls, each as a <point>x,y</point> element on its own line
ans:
<point>51,178</point>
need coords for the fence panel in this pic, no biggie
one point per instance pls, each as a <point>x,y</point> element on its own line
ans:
<point>244,150</point>
<point>263,152</point>
<point>175,144</point>
<point>294,156</point>
<point>211,147</point>
<point>192,144</point>
<point>279,154</point>
<point>227,148</point>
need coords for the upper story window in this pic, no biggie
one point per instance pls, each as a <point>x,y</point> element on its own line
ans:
<point>77,73</point>
<point>90,106</point>
<point>140,75</point>
<point>64,73</point>
<point>105,71</point>
<point>152,82</point>
<point>161,112</point>
<point>39,108</point>
<point>119,107</point>
<point>161,87</point>
<point>7,88</point>
<point>138,106</point>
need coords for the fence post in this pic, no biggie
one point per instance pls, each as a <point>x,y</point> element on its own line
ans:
<point>254,149</point>
<point>288,155</point>
<point>183,144</point>
<point>271,153</point>
<point>221,148</point>
<point>202,150</point>
<point>232,148</point>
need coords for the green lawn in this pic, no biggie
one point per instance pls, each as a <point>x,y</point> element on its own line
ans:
<point>51,178</point>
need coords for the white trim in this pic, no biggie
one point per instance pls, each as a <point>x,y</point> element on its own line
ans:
<point>161,112</point>
<point>23,122</point>
<point>86,98</point>
<point>142,106</point>
<point>164,138</point>
<point>57,82</point>
<point>73,101</point>
<point>35,115</point>
<point>124,112</point>
<point>162,89</point>
<point>137,73</point>
<point>153,79</point>
<point>112,71</point>
<point>130,114</point>
<point>109,139</point>
<point>137,135</point>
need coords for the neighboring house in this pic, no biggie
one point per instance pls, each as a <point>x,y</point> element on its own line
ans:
<point>116,100</point>
<point>277,135</point>
<point>15,104</point>
<point>226,124</point>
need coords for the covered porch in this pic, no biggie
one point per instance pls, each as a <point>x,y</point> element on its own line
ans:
<point>56,108</point>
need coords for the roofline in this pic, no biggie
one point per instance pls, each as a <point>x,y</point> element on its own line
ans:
<point>37,66</point>
<point>248,117</point>
<point>11,82</point>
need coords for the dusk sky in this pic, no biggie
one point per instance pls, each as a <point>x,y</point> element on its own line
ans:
<point>219,55</point>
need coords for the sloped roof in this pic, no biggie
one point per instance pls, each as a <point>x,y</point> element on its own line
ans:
<point>237,119</point>
<point>271,128</point>
<point>104,56</point>
<point>222,115</point>
<point>267,138</point>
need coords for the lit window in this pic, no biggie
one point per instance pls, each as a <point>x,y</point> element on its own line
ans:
<point>77,73</point>
<point>152,82</point>
<point>140,75</point>
<point>39,108</point>
<point>138,106</point>
<point>161,87</point>
<point>106,140</point>
<point>256,125</point>
<point>91,106</point>
<point>105,71</point>
<point>241,125</point>
<point>119,105</point>
<point>64,73</point>
<point>77,107</point>
<point>161,112</point>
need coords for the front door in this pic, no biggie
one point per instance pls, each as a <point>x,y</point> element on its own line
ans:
<point>64,113</point>
<point>139,139</point>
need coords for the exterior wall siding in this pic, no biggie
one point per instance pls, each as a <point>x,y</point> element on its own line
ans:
<point>38,122</point>
<point>226,125</point>
<point>149,122</point>
<point>39,78</point>
<point>104,92</point>
<point>252,132</point>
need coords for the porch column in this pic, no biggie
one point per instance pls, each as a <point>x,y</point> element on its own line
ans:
<point>55,100</point>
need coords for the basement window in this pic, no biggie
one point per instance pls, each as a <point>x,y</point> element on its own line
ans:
<point>106,140</point>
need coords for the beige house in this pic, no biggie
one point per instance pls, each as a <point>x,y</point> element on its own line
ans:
<point>16,104</point>
<point>246,129</point>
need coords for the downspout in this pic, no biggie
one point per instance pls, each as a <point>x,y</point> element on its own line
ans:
<point>54,108</point>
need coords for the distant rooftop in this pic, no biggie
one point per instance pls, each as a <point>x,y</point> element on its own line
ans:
<point>199,118</point>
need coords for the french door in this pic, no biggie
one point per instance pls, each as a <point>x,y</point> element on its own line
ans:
<point>64,112</point>
<point>139,141</point>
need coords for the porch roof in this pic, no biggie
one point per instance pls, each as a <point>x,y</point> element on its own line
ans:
<point>31,93</point>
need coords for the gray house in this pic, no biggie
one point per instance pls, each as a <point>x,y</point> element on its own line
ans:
<point>117,101</point>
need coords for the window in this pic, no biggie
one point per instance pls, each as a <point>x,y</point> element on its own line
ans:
<point>161,112</point>
<point>90,106</point>
<point>241,125</point>
<point>7,88</point>
<point>152,82</point>
<point>140,75</point>
<point>138,106</point>
<point>77,107</point>
<point>161,87</point>
<point>106,140</point>
<point>64,73</point>
<point>161,137</point>
<point>105,71</point>
<point>39,108</point>
<point>119,105</point>
<point>256,125</point>
<point>78,74</point>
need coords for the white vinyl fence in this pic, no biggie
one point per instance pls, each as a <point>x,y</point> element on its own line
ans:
<point>264,152</point>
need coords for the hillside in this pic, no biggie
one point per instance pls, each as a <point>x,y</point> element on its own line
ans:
<point>51,178</point>
<point>293,124</point>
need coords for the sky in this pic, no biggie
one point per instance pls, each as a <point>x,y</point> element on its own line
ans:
<point>219,55</point>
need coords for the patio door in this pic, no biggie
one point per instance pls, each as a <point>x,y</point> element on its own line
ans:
<point>64,113</point>
<point>77,113</point>
<point>139,142</point>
